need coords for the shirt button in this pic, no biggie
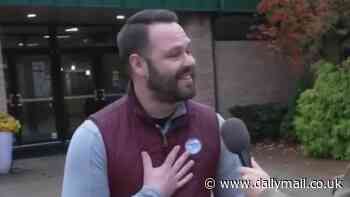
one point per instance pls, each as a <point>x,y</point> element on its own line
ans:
<point>157,126</point>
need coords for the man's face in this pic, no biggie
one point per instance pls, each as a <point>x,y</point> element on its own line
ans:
<point>170,63</point>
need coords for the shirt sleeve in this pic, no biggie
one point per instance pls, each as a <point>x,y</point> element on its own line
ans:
<point>227,169</point>
<point>85,172</point>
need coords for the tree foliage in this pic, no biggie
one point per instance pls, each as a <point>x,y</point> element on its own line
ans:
<point>303,29</point>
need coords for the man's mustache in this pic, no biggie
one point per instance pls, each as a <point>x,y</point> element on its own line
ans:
<point>185,70</point>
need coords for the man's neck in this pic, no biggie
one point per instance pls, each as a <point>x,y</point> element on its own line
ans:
<point>151,105</point>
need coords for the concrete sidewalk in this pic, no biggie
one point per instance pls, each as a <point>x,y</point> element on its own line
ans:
<point>42,177</point>
<point>36,177</point>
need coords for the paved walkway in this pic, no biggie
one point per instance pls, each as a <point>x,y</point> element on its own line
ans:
<point>42,177</point>
<point>287,162</point>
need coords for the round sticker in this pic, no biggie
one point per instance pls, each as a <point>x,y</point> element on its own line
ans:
<point>193,146</point>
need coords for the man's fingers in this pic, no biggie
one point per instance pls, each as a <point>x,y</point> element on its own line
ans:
<point>146,160</point>
<point>184,180</point>
<point>172,156</point>
<point>184,170</point>
<point>180,161</point>
<point>246,170</point>
<point>255,164</point>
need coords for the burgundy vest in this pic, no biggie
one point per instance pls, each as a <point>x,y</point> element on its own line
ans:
<point>127,130</point>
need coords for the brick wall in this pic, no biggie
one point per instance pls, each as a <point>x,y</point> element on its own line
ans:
<point>198,27</point>
<point>248,73</point>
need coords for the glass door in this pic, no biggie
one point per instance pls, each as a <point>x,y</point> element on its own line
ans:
<point>55,79</point>
<point>91,81</point>
<point>79,89</point>
<point>31,98</point>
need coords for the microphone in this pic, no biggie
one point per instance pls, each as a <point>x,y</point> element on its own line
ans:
<point>237,139</point>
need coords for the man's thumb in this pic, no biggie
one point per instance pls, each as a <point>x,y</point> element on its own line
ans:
<point>146,160</point>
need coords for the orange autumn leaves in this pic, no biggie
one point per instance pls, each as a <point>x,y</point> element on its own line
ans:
<point>291,26</point>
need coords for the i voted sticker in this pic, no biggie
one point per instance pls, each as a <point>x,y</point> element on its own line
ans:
<point>193,146</point>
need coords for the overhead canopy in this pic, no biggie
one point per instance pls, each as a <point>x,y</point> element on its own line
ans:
<point>181,5</point>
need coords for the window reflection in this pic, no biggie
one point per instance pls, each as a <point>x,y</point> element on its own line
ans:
<point>77,75</point>
<point>85,36</point>
<point>24,37</point>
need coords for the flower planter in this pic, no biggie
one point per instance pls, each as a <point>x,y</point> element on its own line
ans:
<point>6,143</point>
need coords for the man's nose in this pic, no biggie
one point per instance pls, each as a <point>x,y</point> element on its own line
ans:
<point>190,60</point>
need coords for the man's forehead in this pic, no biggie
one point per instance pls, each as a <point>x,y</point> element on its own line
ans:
<point>167,35</point>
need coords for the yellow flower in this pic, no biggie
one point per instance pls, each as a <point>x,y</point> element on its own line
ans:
<point>9,123</point>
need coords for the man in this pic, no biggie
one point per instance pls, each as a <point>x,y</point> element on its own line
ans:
<point>154,141</point>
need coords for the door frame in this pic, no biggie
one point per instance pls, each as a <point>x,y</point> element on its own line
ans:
<point>55,54</point>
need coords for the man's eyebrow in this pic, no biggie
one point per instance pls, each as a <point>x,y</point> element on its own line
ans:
<point>179,46</point>
<point>175,48</point>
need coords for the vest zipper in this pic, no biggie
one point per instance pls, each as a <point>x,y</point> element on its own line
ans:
<point>165,141</point>
<point>164,138</point>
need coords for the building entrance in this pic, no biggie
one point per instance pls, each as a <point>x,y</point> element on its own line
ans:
<point>55,80</point>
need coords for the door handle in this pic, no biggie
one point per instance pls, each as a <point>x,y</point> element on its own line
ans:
<point>11,101</point>
<point>15,100</point>
<point>99,94</point>
<point>18,100</point>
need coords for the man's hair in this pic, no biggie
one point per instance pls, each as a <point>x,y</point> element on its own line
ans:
<point>133,37</point>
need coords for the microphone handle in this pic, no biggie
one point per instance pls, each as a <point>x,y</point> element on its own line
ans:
<point>245,158</point>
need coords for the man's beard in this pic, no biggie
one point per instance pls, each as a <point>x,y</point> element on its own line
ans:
<point>166,87</point>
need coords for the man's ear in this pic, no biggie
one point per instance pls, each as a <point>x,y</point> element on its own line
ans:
<point>138,65</point>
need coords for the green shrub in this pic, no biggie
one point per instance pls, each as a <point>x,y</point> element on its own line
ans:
<point>262,120</point>
<point>322,120</point>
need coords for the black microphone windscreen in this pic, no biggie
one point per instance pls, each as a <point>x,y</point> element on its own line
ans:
<point>235,135</point>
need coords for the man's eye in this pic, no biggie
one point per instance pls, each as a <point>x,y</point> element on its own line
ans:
<point>175,54</point>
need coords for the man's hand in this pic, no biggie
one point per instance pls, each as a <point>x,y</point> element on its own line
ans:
<point>170,176</point>
<point>253,174</point>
